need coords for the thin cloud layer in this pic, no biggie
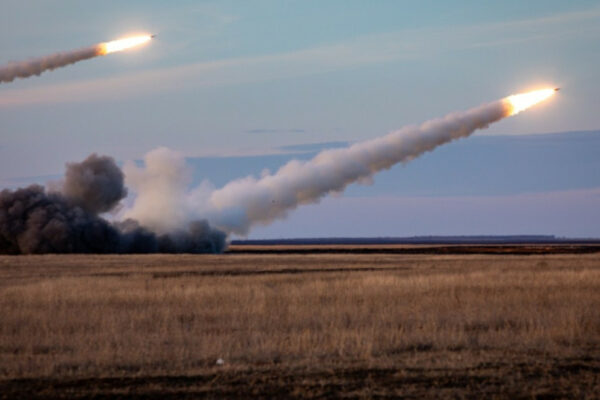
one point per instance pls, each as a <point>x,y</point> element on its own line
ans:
<point>362,51</point>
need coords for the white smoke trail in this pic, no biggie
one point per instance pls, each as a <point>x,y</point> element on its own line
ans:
<point>242,203</point>
<point>36,66</point>
<point>260,201</point>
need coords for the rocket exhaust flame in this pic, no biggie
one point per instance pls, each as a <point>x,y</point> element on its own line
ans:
<point>521,102</point>
<point>25,69</point>
<point>122,44</point>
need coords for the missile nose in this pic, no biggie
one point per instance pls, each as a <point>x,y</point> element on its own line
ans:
<point>556,89</point>
<point>153,36</point>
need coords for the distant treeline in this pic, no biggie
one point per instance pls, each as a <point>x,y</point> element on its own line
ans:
<point>475,240</point>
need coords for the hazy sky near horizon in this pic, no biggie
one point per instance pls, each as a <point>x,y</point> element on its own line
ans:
<point>225,80</point>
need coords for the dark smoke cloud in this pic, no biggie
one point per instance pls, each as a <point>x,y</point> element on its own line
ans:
<point>34,221</point>
<point>96,184</point>
<point>199,237</point>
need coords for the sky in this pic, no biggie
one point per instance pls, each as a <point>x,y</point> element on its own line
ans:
<point>242,86</point>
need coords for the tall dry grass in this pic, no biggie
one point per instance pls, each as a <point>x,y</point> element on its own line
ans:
<point>62,315</point>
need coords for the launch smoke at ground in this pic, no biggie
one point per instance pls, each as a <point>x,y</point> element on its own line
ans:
<point>65,219</point>
<point>25,69</point>
<point>167,216</point>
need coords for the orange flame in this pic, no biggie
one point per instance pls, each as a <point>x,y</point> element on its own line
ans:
<point>122,44</point>
<point>519,102</point>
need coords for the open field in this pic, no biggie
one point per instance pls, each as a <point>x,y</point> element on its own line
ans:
<point>370,324</point>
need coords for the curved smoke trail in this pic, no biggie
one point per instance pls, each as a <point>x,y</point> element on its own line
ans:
<point>249,201</point>
<point>245,202</point>
<point>164,200</point>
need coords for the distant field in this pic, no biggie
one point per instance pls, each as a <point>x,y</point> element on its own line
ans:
<point>466,248</point>
<point>303,321</point>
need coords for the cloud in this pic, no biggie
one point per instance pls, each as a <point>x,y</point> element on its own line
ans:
<point>361,51</point>
<point>563,136</point>
<point>313,147</point>
<point>270,130</point>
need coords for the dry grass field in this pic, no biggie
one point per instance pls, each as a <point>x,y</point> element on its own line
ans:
<point>369,324</point>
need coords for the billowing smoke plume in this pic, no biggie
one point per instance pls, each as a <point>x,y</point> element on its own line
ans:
<point>36,66</point>
<point>242,203</point>
<point>33,220</point>
<point>96,185</point>
<point>161,185</point>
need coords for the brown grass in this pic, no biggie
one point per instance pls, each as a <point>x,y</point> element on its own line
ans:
<point>91,316</point>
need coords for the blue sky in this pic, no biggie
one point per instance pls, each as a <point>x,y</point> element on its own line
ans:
<point>239,86</point>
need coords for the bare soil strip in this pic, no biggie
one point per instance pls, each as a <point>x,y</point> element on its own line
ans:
<point>525,249</point>
<point>541,379</point>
